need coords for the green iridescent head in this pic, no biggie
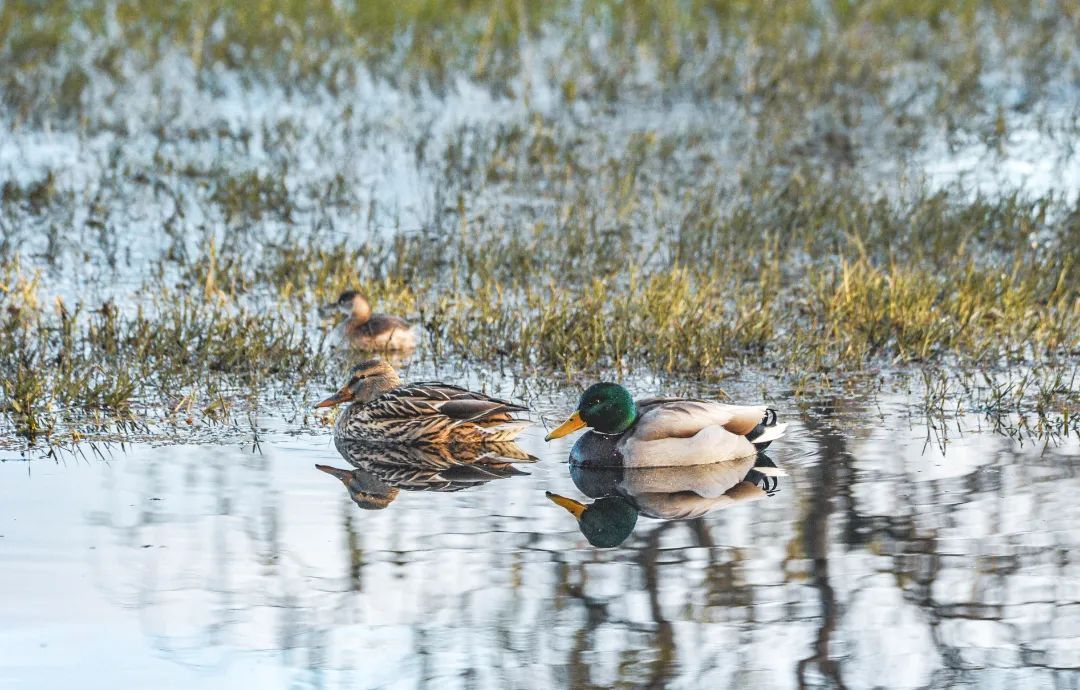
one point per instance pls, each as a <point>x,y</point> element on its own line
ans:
<point>604,407</point>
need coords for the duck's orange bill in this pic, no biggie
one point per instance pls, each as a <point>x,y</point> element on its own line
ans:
<point>568,427</point>
<point>343,395</point>
<point>576,508</point>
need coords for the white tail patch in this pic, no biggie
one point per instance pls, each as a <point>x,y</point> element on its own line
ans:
<point>771,471</point>
<point>771,433</point>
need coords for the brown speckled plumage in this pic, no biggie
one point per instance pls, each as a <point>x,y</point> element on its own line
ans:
<point>428,413</point>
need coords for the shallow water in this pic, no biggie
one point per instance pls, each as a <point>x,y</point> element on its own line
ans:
<point>895,553</point>
<point>883,560</point>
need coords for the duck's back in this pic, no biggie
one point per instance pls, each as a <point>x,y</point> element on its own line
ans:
<point>682,417</point>
<point>380,332</point>
<point>433,412</point>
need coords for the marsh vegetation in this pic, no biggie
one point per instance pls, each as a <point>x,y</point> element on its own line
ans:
<point>793,197</point>
<point>862,214</point>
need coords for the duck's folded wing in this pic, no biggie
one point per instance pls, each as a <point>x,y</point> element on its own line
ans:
<point>475,410</point>
<point>435,392</point>
<point>422,399</point>
<point>381,325</point>
<point>682,418</point>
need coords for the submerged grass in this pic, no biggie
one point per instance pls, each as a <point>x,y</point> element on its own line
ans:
<point>96,367</point>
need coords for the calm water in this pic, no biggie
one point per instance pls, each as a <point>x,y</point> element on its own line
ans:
<point>892,554</point>
<point>880,561</point>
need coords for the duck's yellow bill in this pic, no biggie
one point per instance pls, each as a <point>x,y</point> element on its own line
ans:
<point>343,395</point>
<point>568,427</point>
<point>576,508</point>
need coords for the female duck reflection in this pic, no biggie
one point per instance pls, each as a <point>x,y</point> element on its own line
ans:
<point>383,470</point>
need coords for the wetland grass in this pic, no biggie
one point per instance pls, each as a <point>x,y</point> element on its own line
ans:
<point>95,368</point>
<point>563,303</point>
<point>698,191</point>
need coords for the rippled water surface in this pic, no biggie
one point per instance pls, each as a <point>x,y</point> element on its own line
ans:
<point>892,555</point>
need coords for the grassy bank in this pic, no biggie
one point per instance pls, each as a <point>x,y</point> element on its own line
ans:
<point>570,302</point>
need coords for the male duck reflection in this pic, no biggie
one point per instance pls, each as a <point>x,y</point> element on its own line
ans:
<point>366,331</point>
<point>664,432</point>
<point>430,413</point>
<point>383,470</point>
<point>669,493</point>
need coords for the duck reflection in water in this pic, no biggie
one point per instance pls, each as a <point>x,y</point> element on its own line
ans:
<point>381,471</point>
<point>666,493</point>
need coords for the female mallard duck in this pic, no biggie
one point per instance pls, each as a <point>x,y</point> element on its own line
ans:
<point>366,331</point>
<point>384,409</point>
<point>664,432</point>
<point>667,493</point>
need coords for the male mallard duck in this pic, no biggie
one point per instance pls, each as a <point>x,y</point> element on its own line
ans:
<point>384,409</point>
<point>668,493</point>
<point>366,331</point>
<point>664,432</point>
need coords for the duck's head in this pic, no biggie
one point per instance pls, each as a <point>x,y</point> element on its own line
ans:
<point>368,380</point>
<point>350,302</point>
<point>364,488</point>
<point>606,522</point>
<point>605,407</point>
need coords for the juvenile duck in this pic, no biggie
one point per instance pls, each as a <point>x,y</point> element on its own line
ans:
<point>366,331</point>
<point>664,432</point>
<point>384,409</point>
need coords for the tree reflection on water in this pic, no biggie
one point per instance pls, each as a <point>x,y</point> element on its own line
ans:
<point>879,562</point>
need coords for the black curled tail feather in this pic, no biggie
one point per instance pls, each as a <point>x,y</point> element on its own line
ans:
<point>769,420</point>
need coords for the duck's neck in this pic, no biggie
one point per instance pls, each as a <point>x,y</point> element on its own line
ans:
<point>361,311</point>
